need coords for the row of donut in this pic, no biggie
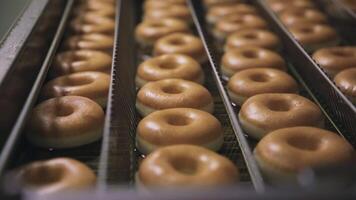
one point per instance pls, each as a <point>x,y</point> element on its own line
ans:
<point>310,27</point>
<point>288,125</point>
<point>178,132</point>
<point>70,113</point>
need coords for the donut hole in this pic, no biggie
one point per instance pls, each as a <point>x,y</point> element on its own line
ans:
<point>172,89</point>
<point>168,64</point>
<point>259,77</point>
<point>78,57</point>
<point>156,24</point>
<point>279,105</point>
<point>64,110</point>
<point>250,54</point>
<point>185,165</point>
<point>42,175</point>
<point>177,41</point>
<point>306,30</point>
<point>342,53</point>
<point>250,36</point>
<point>79,81</point>
<point>178,120</point>
<point>304,143</point>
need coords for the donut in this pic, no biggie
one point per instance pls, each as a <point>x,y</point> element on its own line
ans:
<point>242,58</point>
<point>250,82</point>
<point>335,59</point>
<point>263,113</point>
<point>284,153</point>
<point>93,85</point>
<point>181,43</point>
<point>154,4</point>
<point>93,41</point>
<point>220,11</point>
<point>211,3</point>
<point>93,23</point>
<point>173,93</point>
<point>55,175</point>
<point>65,122</point>
<point>346,81</point>
<point>279,6</point>
<point>232,23</point>
<point>314,36</point>
<point>95,7</point>
<point>178,126</point>
<point>253,37</point>
<point>79,61</point>
<point>185,166</point>
<point>149,31</point>
<point>170,11</point>
<point>294,16</point>
<point>169,66</point>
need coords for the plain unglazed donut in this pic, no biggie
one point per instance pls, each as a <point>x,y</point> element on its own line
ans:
<point>263,113</point>
<point>346,81</point>
<point>93,41</point>
<point>220,11</point>
<point>281,5</point>
<point>249,82</point>
<point>182,43</point>
<point>335,59</point>
<point>56,175</point>
<point>314,36</point>
<point>79,61</point>
<point>65,122</point>
<point>173,93</point>
<point>253,37</point>
<point>93,23</point>
<point>93,85</point>
<point>185,166</point>
<point>300,16</point>
<point>149,31</point>
<point>169,66</point>
<point>242,58</point>
<point>178,126</point>
<point>232,23</point>
<point>283,153</point>
<point>170,11</point>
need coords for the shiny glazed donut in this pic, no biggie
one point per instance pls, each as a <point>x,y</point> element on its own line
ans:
<point>181,43</point>
<point>302,16</point>
<point>56,175</point>
<point>263,113</point>
<point>281,5</point>
<point>314,36</point>
<point>81,60</point>
<point>346,81</point>
<point>93,41</point>
<point>178,126</point>
<point>250,57</point>
<point>185,166</point>
<point>93,85</point>
<point>169,66</point>
<point>253,37</point>
<point>93,23</point>
<point>250,82</point>
<point>149,31</point>
<point>283,153</point>
<point>173,93</point>
<point>220,11</point>
<point>171,11</point>
<point>65,122</point>
<point>335,59</point>
<point>232,23</point>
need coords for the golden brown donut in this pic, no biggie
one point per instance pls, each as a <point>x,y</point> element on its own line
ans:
<point>242,58</point>
<point>93,23</point>
<point>283,153</point>
<point>170,11</point>
<point>186,166</point>
<point>221,11</point>
<point>154,4</point>
<point>181,43</point>
<point>314,36</point>
<point>169,66</point>
<point>93,85</point>
<point>65,122</point>
<point>149,31</point>
<point>236,22</point>
<point>79,61</point>
<point>281,5</point>
<point>56,175</point>
<point>210,3</point>
<point>294,16</point>
<point>264,113</point>
<point>173,93</point>
<point>93,41</point>
<point>346,81</point>
<point>253,37</point>
<point>178,126</point>
<point>249,82</point>
<point>335,59</point>
<point>96,7</point>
